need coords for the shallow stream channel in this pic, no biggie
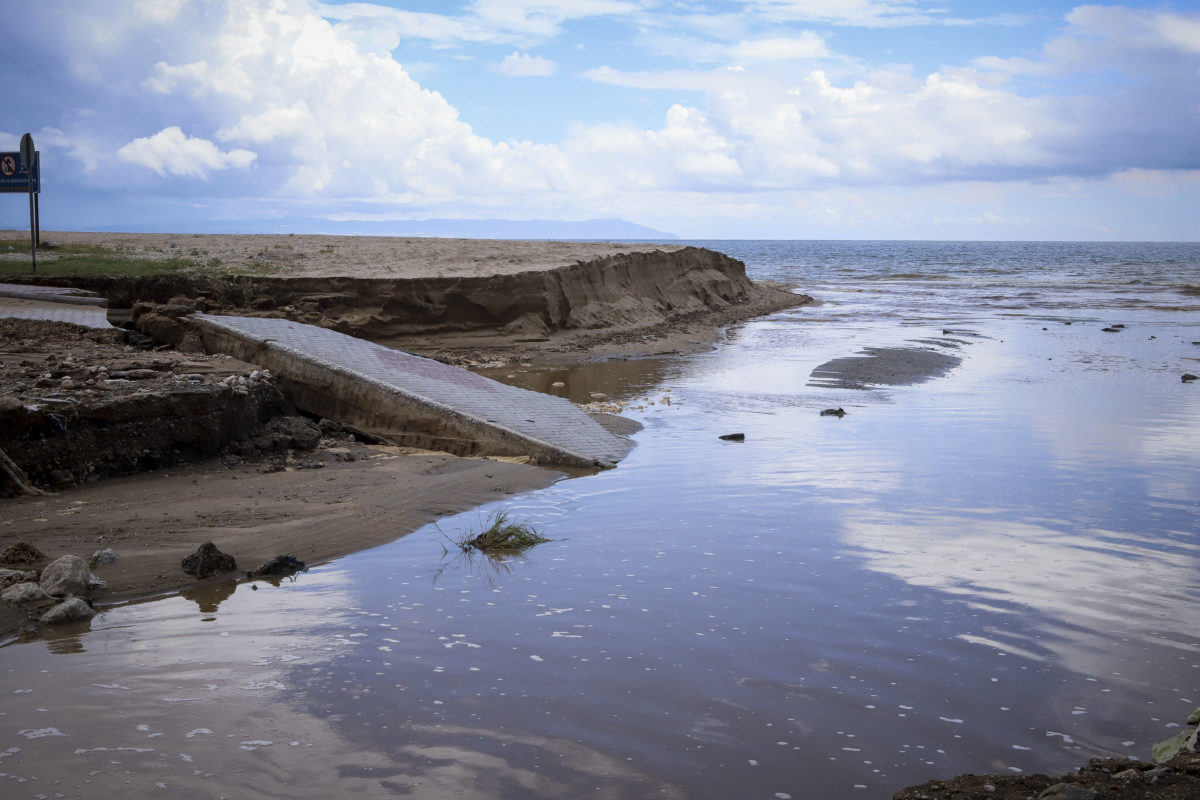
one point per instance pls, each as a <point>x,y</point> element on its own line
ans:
<point>989,570</point>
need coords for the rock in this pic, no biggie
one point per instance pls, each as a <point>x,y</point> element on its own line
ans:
<point>69,610</point>
<point>1182,742</point>
<point>1109,329</point>
<point>733,437</point>
<point>1189,377</point>
<point>834,412</point>
<point>102,558</point>
<point>280,435</point>
<point>279,567</point>
<point>69,575</point>
<point>208,560</point>
<point>60,479</point>
<point>24,594</point>
<point>9,577</point>
<point>1067,791</point>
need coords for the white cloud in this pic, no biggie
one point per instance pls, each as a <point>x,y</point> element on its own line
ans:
<point>171,152</point>
<point>782,48</point>
<point>872,13</point>
<point>518,64</point>
<point>167,78</point>
<point>492,21</point>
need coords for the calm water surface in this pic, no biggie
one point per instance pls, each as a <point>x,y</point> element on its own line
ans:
<point>991,571</point>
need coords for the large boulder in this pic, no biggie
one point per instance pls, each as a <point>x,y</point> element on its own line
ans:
<point>69,610</point>
<point>208,560</point>
<point>69,575</point>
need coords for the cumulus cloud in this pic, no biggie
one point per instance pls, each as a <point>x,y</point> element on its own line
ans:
<point>172,152</point>
<point>518,64</point>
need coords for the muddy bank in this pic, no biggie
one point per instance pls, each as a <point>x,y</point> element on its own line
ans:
<point>338,498</point>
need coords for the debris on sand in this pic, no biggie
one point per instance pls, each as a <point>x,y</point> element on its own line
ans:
<point>21,553</point>
<point>279,567</point>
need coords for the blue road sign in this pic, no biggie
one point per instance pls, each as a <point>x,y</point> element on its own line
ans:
<point>14,174</point>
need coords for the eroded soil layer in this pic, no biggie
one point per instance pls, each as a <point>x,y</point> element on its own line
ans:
<point>623,291</point>
<point>78,404</point>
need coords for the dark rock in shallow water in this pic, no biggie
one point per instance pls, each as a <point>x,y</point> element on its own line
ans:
<point>208,560</point>
<point>1111,329</point>
<point>279,567</point>
<point>733,437</point>
<point>1189,377</point>
<point>834,412</point>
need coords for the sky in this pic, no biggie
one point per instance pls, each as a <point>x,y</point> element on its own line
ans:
<point>747,119</point>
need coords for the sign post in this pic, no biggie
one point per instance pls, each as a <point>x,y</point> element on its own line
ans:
<point>22,172</point>
<point>28,157</point>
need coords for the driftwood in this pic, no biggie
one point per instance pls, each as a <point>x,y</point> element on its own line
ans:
<point>13,478</point>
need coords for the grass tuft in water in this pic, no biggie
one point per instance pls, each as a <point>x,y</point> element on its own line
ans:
<point>500,535</point>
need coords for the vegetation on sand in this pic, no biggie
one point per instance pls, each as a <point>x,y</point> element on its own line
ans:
<point>89,259</point>
<point>500,535</point>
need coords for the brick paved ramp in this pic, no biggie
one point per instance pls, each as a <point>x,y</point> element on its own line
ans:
<point>414,400</point>
<point>53,303</point>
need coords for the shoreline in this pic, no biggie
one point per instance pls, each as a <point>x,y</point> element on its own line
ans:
<point>345,495</point>
<point>360,496</point>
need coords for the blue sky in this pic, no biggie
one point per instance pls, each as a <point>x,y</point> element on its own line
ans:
<point>707,119</point>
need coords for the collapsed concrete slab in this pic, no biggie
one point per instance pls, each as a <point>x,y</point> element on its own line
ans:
<point>416,401</point>
<point>54,303</point>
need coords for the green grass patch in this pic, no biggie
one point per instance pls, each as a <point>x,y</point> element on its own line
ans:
<point>499,535</point>
<point>90,259</point>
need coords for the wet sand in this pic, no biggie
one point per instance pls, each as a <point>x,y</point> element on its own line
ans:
<point>254,513</point>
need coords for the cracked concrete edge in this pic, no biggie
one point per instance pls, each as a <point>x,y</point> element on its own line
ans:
<point>52,295</point>
<point>545,452</point>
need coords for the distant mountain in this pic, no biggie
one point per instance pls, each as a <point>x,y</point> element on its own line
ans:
<point>590,229</point>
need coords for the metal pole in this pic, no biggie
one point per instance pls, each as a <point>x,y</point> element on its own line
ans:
<point>37,200</point>
<point>28,159</point>
<point>32,223</point>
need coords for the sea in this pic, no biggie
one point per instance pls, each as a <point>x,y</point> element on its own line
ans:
<point>991,570</point>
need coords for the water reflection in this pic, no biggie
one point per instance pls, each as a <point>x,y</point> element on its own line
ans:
<point>990,571</point>
<point>209,596</point>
